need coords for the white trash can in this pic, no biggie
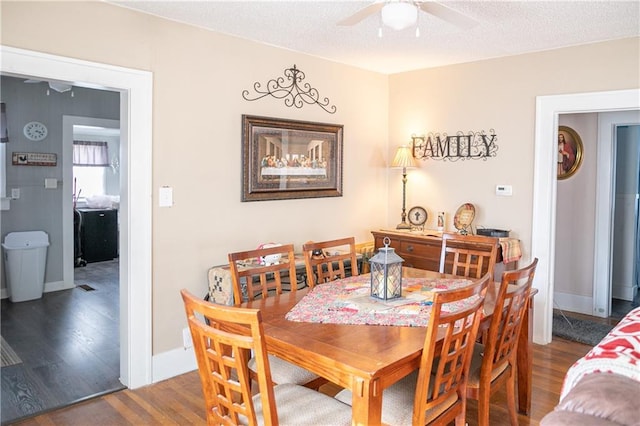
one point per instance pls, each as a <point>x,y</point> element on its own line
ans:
<point>25,257</point>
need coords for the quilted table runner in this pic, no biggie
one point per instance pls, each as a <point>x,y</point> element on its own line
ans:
<point>348,301</point>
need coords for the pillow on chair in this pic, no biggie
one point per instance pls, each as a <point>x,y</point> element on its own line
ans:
<point>220,287</point>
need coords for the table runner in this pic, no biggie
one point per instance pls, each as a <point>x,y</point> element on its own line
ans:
<point>348,301</point>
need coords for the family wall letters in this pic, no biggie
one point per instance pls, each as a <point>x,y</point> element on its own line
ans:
<point>461,146</point>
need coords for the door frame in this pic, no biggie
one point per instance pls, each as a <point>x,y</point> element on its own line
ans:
<point>605,194</point>
<point>543,231</point>
<point>68,256</point>
<point>136,90</point>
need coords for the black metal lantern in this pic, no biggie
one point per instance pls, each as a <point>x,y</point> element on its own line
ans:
<point>386,273</point>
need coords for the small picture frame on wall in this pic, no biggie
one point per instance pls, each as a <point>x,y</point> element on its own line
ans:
<point>569,152</point>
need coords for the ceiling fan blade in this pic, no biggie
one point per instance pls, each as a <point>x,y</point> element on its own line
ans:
<point>447,14</point>
<point>363,13</point>
<point>33,81</point>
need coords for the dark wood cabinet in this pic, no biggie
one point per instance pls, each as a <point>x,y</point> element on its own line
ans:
<point>419,250</point>
<point>99,234</point>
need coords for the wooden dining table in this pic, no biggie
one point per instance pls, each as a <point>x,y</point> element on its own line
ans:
<point>366,358</point>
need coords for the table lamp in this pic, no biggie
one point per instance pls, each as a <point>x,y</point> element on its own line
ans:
<point>404,159</point>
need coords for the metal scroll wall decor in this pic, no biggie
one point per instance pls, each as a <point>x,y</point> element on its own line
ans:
<point>461,146</point>
<point>292,90</point>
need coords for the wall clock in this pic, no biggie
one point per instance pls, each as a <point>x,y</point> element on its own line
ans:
<point>35,131</point>
<point>417,216</point>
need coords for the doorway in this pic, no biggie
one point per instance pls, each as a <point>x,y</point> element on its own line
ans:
<point>605,196</point>
<point>136,91</point>
<point>624,280</point>
<point>544,195</point>
<point>576,221</point>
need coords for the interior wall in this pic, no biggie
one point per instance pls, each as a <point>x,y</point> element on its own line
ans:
<point>503,94</point>
<point>575,222</point>
<point>39,208</point>
<point>497,94</point>
<point>199,77</point>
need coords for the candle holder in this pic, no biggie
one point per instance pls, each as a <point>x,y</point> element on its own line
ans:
<point>386,273</point>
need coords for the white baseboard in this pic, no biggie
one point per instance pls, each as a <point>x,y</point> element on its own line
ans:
<point>173,363</point>
<point>52,286</point>
<point>56,286</point>
<point>573,303</point>
<point>623,292</point>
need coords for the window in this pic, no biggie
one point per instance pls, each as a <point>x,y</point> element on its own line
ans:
<point>89,180</point>
<point>90,160</point>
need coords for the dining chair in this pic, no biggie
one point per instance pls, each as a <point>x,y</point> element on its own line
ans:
<point>330,260</point>
<point>221,353</point>
<point>494,360</point>
<point>436,392</point>
<point>264,272</point>
<point>468,255</point>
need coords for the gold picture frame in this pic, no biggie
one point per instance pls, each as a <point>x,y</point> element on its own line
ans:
<point>288,159</point>
<point>569,152</point>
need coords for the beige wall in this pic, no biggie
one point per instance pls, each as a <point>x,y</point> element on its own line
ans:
<point>575,215</point>
<point>197,106</point>
<point>497,94</point>
<point>198,79</point>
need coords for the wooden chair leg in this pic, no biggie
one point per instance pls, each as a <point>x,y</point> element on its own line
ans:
<point>483,407</point>
<point>511,398</point>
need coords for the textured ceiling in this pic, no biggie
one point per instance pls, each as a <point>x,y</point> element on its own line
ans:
<point>504,28</point>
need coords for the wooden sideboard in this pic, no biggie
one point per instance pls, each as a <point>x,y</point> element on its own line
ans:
<point>419,250</point>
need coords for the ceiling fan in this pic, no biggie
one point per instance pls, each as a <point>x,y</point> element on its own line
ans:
<point>55,85</point>
<point>401,14</point>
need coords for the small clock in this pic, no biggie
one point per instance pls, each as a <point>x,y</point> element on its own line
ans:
<point>417,216</point>
<point>35,131</point>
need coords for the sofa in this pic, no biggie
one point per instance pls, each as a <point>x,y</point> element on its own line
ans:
<point>603,387</point>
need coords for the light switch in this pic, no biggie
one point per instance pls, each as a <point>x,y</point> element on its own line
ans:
<point>504,190</point>
<point>165,198</point>
<point>50,183</point>
<point>15,193</point>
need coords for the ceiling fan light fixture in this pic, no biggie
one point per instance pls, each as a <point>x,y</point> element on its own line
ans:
<point>59,87</point>
<point>399,15</point>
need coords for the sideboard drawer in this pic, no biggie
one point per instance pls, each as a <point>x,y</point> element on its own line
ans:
<point>420,249</point>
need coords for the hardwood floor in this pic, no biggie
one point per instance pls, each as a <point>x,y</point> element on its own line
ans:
<point>179,399</point>
<point>68,342</point>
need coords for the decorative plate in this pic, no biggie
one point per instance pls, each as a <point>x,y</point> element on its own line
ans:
<point>464,216</point>
<point>417,216</point>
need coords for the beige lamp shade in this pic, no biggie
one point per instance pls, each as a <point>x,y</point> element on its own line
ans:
<point>404,158</point>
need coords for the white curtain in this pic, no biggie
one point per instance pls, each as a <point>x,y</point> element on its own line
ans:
<point>89,153</point>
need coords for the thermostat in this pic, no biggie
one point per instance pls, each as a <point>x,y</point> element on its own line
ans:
<point>504,190</point>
